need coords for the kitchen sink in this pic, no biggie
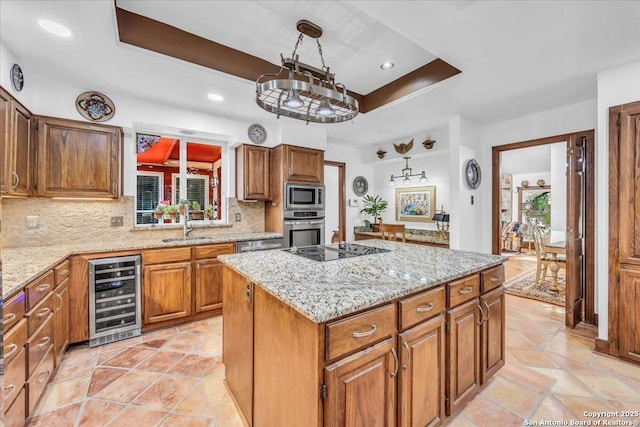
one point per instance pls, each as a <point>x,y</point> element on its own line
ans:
<point>184,239</point>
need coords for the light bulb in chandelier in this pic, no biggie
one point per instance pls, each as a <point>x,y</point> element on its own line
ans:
<point>423,177</point>
<point>325,109</point>
<point>391,181</point>
<point>293,100</point>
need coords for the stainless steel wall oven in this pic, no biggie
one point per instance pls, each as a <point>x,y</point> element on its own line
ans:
<point>303,228</point>
<point>114,299</point>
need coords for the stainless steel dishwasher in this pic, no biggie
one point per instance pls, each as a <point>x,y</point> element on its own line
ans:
<point>258,245</point>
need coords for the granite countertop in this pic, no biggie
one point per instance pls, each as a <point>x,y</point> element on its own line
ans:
<point>322,291</point>
<point>413,234</point>
<point>22,265</point>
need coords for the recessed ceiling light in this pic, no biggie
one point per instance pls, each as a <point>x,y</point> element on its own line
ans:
<point>387,65</point>
<point>215,97</point>
<point>186,132</point>
<point>55,28</point>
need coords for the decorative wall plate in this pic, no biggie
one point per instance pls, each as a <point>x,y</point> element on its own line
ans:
<point>360,186</point>
<point>472,174</point>
<point>17,78</point>
<point>95,106</point>
<point>257,133</point>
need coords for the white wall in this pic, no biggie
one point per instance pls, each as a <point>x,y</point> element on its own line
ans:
<point>558,184</point>
<point>332,203</point>
<point>7,59</point>
<point>617,86</point>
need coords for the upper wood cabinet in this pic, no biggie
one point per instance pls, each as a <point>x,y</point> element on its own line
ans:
<point>299,164</point>
<point>252,172</point>
<point>17,147</point>
<point>78,159</point>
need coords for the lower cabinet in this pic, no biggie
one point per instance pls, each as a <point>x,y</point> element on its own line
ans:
<point>166,292</point>
<point>363,388</point>
<point>15,414</point>
<point>208,285</point>
<point>492,333</point>
<point>60,320</point>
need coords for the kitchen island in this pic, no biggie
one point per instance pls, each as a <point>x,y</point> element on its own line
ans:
<point>403,337</point>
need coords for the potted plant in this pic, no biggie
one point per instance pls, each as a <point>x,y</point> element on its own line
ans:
<point>208,211</point>
<point>374,206</point>
<point>161,209</point>
<point>181,205</point>
<point>196,213</point>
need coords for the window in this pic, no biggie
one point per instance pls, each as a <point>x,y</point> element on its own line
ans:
<point>197,186</point>
<point>148,195</point>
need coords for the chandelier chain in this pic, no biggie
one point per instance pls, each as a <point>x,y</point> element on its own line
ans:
<point>295,49</point>
<point>324,67</point>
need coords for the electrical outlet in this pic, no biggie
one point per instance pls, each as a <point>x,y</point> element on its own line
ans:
<point>116,221</point>
<point>32,221</point>
<point>238,217</point>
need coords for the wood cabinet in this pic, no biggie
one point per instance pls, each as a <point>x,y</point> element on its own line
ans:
<point>363,388</point>
<point>492,333</point>
<point>253,172</point>
<point>303,164</point>
<point>78,159</point>
<point>166,293</point>
<point>17,145</point>
<point>60,319</point>
<point>208,285</point>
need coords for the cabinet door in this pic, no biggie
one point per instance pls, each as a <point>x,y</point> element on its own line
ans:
<point>208,285</point>
<point>463,343</point>
<point>61,320</point>
<point>166,292</point>
<point>253,167</point>
<point>77,159</point>
<point>421,388</point>
<point>630,312</point>
<point>304,165</point>
<point>22,140</point>
<point>492,333</point>
<point>361,389</point>
<point>5,146</point>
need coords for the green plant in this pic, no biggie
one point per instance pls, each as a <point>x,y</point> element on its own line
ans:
<point>374,206</point>
<point>208,211</point>
<point>195,205</point>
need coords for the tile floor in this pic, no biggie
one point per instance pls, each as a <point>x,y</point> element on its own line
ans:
<point>173,377</point>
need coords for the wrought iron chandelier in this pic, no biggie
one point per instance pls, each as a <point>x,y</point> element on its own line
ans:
<point>304,92</point>
<point>407,174</point>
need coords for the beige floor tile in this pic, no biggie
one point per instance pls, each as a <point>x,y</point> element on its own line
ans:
<point>516,398</point>
<point>182,342</point>
<point>609,387</point>
<point>484,412</point>
<point>165,393</point>
<point>516,339</point>
<point>617,366</point>
<point>63,393</point>
<point>196,404</point>
<point>160,361</point>
<point>458,420</point>
<point>577,405</point>
<point>129,358</point>
<point>194,365</point>
<point>528,378</point>
<point>210,345</point>
<point>227,414</point>
<point>138,417</point>
<point>156,343</point>
<point>76,367</point>
<point>126,388</point>
<point>552,410</point>
<point>533,358</point>
<point>64,416</point>
<point>97,413</point>
<point>178,420</point>
<point>102,377</point>
<point>565,382</point>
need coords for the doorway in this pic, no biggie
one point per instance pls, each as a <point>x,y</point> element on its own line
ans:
<point>579,234</point>
<point>335,214</point>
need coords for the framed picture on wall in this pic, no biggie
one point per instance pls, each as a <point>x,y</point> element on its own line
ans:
<point>416,203</point>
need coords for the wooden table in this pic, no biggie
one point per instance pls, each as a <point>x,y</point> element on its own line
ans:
<point>553,249</point>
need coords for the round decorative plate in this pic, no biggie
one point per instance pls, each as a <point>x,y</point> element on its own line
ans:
<point>257,133</point>
<point>95,106</point>
<point>472,174</point>
<point>17,78</point>
<point>360,186</point>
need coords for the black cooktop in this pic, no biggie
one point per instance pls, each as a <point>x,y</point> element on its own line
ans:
<point>331,252</point>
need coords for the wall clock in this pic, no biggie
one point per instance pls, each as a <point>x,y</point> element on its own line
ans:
<point>360,186</point>
<point>472,174</point>
<point>17,78</point>
<point>257,133</point>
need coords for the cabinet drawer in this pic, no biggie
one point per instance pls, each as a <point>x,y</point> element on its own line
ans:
<point>360,330</point>
<point>14,341</point>
<point>15,415</point>
<point>212,251</point>
<point>39,314</point>
<point>14,375</point>
<point>39,289</point>
<point>421,307</point>
<point>161,256</point>
<point>492,278</point>
<point>61,272</point>
<point>13,311</point>
<point>39,343</point>
<point>463,290</point>
<point>38,381</point>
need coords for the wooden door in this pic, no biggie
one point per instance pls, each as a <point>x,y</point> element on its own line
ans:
<point>256,173</point>
<point>577,146</point>
<point>5,146</point>
<point>361,389</point>
<point>208,285</point>
<point>77,159</point>
<point>22,129</point>
<point>463,344</point>
<point>166,292</point>
<point>304,165</point>
<point>61,320</point>
<point>421,383</point>
<point>492,333</point>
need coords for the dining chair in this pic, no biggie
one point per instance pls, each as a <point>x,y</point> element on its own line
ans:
<point>391,231</point>
<point>543,259</point>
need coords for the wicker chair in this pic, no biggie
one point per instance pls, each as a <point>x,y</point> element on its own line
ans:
<point>391,231</point>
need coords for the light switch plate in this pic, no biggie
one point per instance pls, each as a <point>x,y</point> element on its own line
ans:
<point>238,217</point>
<point>116,221</point>
<point>32,221</point>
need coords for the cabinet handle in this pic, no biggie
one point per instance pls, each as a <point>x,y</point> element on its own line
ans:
<point>408,350</point>
<point>481,315</point>
<point>64,272</point>
<point>113,188</point>
<point>496,278</point>
<point>488,310</point>
<point>45,373</point>
<point>365,334</point>
<point>44,287</point>
<point>428,307</point>
<point>9,353</point>
<point>44,341</point>
<point>43,312</point>
<point>60,298</point>
<point>17,180</point>
<point>395,358</point>
<point>8,318</point>
<point>467,290</point>
<point>7,394</point>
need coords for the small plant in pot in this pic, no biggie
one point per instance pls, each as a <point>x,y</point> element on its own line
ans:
<point>374,206</point>
<point>196,213</point>
<point>160,210</point>
<point>172,210</point>
<point>181,205</point>
<point>208,211</point>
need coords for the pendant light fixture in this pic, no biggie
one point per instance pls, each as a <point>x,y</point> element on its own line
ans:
<point>304,92</point>
<point>407,174</point>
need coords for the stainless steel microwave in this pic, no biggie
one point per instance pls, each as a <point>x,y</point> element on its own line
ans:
<point>303,196</point>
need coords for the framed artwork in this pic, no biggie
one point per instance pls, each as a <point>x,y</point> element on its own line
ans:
<point>416,203</point>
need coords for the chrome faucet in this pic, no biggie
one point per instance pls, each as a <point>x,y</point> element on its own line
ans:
<point>186,229</point>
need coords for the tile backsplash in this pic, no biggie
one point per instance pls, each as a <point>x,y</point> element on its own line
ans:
<point>85,221</point>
